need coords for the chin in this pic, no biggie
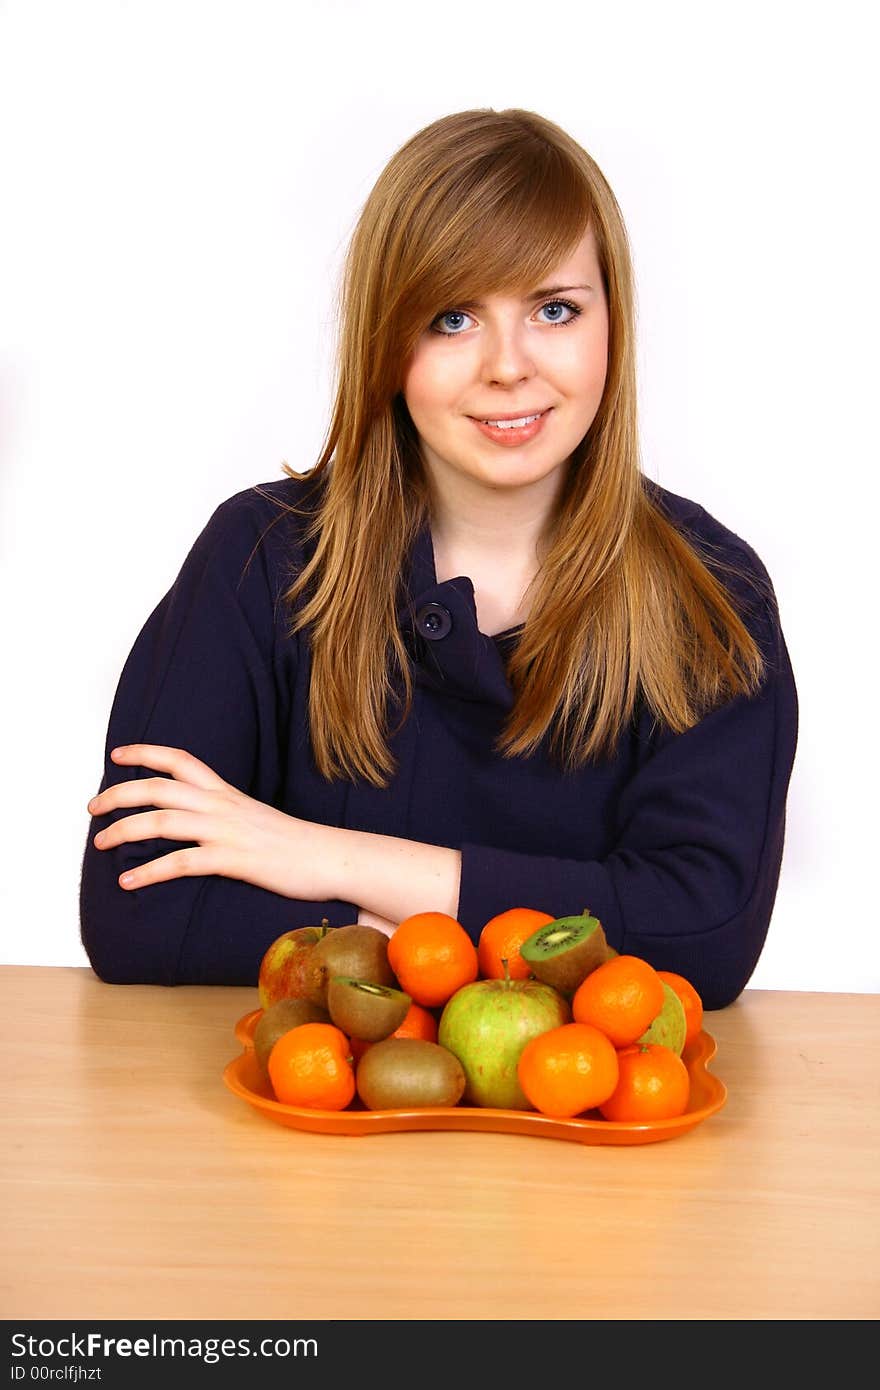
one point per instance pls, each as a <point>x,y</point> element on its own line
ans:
<point>519,475</point>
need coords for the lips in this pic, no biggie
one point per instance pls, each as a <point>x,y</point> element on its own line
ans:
<point>521,415</point>
<point>515,429</point>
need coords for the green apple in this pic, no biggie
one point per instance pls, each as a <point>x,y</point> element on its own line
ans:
<point>670,1025</point>
<point>487,1024</point>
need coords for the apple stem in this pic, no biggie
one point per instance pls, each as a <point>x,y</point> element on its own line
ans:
<point>507,980</point>
<point>324,928</point>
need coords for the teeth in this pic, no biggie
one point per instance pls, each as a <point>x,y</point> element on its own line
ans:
<point>512,424</point>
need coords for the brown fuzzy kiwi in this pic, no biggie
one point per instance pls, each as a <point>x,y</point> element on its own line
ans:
<point>356,952</point>
<point>401,1072</point>
<point>564,952</point>
<point>364,1010</point>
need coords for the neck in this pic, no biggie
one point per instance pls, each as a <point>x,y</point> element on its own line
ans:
<point>506,526</point>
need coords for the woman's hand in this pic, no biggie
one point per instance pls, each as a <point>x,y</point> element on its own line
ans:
<point>237,836</point>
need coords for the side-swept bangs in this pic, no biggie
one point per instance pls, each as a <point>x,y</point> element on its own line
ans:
<point>498,230</point>
<point>477,209</point>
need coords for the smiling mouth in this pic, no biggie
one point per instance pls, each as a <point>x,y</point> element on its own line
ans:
<point>510,422</point>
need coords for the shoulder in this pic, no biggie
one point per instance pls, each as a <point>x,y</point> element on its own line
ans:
<point>729,556</point>
<point>717,542</point>
<point>270,518</point>
<point>687,515</point>
<point>290,501</point>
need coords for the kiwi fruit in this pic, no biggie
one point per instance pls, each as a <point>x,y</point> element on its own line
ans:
<point>564,952</point>
<point>401,1072</point>
<point>279,1018</point>
<point>356,952</point>
<point>364,1010</point>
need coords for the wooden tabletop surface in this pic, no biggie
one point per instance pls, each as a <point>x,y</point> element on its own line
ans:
<point>137,1186</point>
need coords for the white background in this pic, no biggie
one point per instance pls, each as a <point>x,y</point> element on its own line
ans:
<point>178,183</point>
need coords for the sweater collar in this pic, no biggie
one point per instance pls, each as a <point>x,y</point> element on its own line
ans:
<point>448,652</point>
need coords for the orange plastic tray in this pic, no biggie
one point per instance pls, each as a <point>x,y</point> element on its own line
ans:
<point>244,1078</point>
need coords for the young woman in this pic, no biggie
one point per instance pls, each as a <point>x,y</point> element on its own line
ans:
<point>474,658</point>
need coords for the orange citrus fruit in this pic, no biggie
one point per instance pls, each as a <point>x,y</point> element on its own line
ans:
<point>568,1069</point>
<point>620,998</point>
<point>653,1085</point>
<point>310,1066</point>
<point>693,1004</point>
<point>432,956</point>
<point>501,939</point>
<point>418,1023</point>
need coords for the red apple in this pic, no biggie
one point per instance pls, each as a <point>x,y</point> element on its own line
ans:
<point>285,967</point>
<point>487,1024</point>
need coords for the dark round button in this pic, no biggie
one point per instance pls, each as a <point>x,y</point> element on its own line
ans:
<point>434,621</point>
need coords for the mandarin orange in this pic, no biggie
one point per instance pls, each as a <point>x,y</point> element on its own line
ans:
<point>567,1070</point>
<point>432,956</point>
<point>653,1085</point>
<point>501,939</point>
<point>311,1066</point>
<point>620,998</point>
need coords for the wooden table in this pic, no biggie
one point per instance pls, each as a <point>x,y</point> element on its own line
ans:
<point>137,1186</point>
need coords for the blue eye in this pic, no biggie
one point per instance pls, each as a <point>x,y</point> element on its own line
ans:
<point>573,309</point>
<point>450,314</point>
<point>454,329</point>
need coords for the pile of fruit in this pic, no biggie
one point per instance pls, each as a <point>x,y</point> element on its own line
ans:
<point>541,1015</point>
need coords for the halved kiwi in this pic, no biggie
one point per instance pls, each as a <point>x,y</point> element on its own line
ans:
<point>365,1010</point>
<point>564,952</point>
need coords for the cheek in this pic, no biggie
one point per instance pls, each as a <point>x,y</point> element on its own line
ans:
<point>586,367</point>
<point>432,381</point>
<point>414,392</point>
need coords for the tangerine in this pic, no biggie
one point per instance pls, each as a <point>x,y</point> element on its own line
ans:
<point>501,939</point>
<point>311,1066</point>
<point>621,998</point>
<point>653,1085</point>
<point>693,1004</point>
<point>568,1069</point>
<point>432,956</point>
<point>419,1023</point>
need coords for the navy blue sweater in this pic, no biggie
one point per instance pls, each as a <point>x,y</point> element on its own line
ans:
<point>675,843</point>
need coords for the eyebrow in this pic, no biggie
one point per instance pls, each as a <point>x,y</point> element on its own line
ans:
<point>546,293</point>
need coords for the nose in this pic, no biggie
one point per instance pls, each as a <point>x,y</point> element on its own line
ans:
<point>506,356</point>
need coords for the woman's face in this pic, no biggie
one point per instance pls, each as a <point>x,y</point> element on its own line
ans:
<point>544,352</point>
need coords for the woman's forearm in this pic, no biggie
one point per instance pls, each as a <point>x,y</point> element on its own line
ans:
<point>390,876</point>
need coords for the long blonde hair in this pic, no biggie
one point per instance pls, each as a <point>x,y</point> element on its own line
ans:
<point>624,607</point>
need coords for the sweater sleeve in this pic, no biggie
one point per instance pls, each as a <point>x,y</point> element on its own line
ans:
<point>691,878</point>
<point>201,676</point>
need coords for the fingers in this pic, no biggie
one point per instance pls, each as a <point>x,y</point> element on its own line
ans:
<point>151,825</point>
<point>177,761</point>
<point>187,772</point>
<point>148,791</point>
<point>180,863</point>
<point>182,815</point>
